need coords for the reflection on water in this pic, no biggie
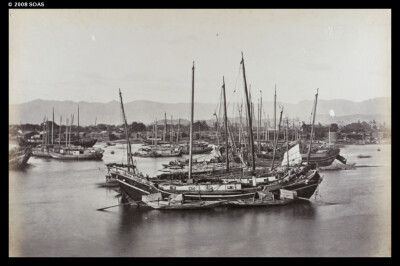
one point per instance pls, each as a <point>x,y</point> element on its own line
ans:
<point>53,213</point>
<point>215,232</point>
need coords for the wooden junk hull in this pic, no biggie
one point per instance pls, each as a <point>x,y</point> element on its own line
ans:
<point>88,156</point>
<point>171,155</point>
<point>155,154</point>
<point>258,203</point>
<point>306,187</point>
<point>185,206</point>
<point>319,160</point>
<point>19,160</point>
<point>218,195</point>
<point>324,160</point>
<point>84,143</point>
<point>198,151</point>
<point>145,155</point>
<point>135,188</point>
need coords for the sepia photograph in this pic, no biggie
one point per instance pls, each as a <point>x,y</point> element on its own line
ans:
<point>199,132</point>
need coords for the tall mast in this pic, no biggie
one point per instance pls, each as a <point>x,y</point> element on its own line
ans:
<point>59,140</point>
<point>252,111</point>
<point>154,134</point>
<point>276,140</point>
<point>199,130</point>
<point>47,131</point>
<point>267,129</point>
<point>52,129</point>
<point>129,157</point>
<point>240,126</point>
<point>312,127</point>
<point>165,126</point>
<point>155,129</point>
<point>258,125</point>
<point>177,135</point>
<point>287,140</point>
<point>70,128</point>
<point>217,128</point>
<point>294,130</point>
<point>78,121</point>
<point>226,124</point>
<point>273,156</point>
<point>171,137</point>
<point>249,112</point>
<point>261,116</point>
<point>275,117</point>
<point>44,128</point>
<point>329,136</point>
<point>191,125</point>
<point>66,132</point>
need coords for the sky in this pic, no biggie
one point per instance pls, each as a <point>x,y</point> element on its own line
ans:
<point>87,55</point>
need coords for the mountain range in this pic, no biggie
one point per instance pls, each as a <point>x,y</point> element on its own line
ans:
<point>344,111</point>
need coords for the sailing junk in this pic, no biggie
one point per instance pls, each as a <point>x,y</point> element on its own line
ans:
<point>158,151</point>
<point>76,153</point>
<point>69,151</point>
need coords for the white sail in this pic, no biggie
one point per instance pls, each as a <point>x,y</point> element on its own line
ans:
<point>294,156</point>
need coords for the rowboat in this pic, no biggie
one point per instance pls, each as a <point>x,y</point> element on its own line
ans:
<point>176,202</point>
<point>267,199</point>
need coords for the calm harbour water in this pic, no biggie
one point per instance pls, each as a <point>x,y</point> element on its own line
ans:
<point>52,212</point>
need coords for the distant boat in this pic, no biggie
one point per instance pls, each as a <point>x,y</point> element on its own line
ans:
<point>325,157</point>
<point>319,156</point>
<point>81,142</point>
<point>77,153</point>
<point>84,142</point>
<point>198,148</point>
<point>158,152</point>
<point>364,156</point>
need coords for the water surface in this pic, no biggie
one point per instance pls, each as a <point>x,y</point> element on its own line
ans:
<point>52,212</point>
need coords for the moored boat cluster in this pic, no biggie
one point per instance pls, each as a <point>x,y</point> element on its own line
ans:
<point>236,184</point>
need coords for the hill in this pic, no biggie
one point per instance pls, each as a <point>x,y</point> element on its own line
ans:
<point>147,111</point>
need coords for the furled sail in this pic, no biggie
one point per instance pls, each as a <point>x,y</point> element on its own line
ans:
<point>294,156</point>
